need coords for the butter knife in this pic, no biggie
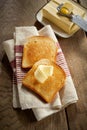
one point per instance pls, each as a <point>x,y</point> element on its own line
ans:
<point>74,18</point>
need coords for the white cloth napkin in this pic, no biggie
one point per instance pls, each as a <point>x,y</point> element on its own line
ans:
<point>21,96</point>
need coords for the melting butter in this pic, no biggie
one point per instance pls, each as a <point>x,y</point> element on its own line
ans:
<point>43,72</point>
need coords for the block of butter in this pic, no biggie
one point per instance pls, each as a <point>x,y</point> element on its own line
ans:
<point>50,12</point>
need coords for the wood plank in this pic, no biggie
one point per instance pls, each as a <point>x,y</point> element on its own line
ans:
<point>75,50</point>
<point>83,3</point>
<point>55,122</point>
<point>20,13</point>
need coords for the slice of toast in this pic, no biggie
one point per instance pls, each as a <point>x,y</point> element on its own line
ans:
<point>51,85</point>
<point>38,47</point>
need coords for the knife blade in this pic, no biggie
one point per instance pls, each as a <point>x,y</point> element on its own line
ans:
<point>79,21</point>
<point>74,18</point>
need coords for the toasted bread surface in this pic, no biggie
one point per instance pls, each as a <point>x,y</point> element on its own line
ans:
<point>51,86</point>
<point>38,47</point>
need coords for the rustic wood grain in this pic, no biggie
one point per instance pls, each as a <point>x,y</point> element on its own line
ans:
<point>83,3</point>
<point>75,50</point>
<point>20,13</point>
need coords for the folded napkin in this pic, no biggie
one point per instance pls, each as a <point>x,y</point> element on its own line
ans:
<point>21,96</point>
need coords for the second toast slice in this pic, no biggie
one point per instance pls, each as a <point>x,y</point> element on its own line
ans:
<point>38,47</point>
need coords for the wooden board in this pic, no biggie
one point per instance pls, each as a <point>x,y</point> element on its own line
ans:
<point>20,13</point>
<point>75,50</point>
<point>83,3</point>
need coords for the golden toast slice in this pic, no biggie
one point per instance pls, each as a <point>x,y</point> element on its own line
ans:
<point>51,85</point>
<point>38,47</point>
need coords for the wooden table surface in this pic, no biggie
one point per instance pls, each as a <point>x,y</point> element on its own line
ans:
<point>22,13</point>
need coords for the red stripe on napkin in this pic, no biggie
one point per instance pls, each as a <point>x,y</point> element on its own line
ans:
<point>62,62</point>
<point>20,72</point>
<point>18,48</point>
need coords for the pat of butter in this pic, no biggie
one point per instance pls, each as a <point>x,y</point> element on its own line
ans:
<point>43,72</point>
